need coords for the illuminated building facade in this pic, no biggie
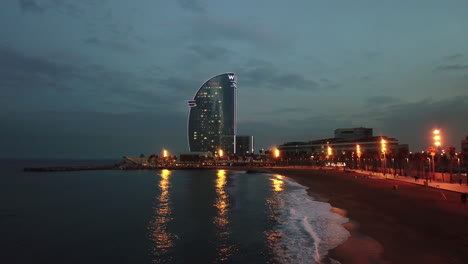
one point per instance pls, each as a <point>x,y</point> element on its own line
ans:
<point>345,140</point>
<point>212,117</point>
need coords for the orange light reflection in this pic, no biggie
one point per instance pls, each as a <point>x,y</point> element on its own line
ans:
<point>163,240</point>
<point>277,185</point>
<point>221,220</point>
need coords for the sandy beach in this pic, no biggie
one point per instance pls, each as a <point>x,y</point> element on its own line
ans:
<point>407,224</point>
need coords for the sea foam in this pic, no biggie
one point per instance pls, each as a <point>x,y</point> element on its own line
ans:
<point>308,228</point>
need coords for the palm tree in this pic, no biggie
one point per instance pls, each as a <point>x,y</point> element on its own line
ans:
<point>401,156</point>
<point>451,152</point>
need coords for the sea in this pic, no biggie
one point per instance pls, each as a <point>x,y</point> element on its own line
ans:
<point>160,216</point>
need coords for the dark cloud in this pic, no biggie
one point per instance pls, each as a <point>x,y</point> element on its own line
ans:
<point>30,6</point>
<point>292,80</point>
<point>381,100</point>
<point>22,75</point>
<point>262,74</point>
<point>91,40</point>
<point>184,87</point>
<point>111,44</point>
<point>209,52</point>
<point>192,5</point>
<point>454,56</point>
<point>212,28</point>
<point>19,71</point>
<point>371,55</point>
<point>452,67</point>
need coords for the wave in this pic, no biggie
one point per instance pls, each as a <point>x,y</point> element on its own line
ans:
<point>308,228</point>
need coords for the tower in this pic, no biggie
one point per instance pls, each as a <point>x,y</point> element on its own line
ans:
<point>212,118</point>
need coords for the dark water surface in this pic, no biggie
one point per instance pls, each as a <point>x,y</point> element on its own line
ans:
<point>159,216</point>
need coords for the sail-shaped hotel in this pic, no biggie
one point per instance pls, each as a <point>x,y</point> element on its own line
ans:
<point>212,117</point>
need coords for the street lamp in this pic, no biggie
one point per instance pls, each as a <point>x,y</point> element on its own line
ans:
<point>329,153</point>
<point>436,133</point>
<point>383,144</point>
<point>276,153</point>
<point>358,152</point>
<point>220,153</point>
<point>434,150</point>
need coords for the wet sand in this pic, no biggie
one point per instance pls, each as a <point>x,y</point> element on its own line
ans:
<point>409,224</point>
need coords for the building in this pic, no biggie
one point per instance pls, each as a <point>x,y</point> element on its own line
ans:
<point>347,141</point>
<point>212,117</point>
<point>244,145</point>
<point>353,133</point>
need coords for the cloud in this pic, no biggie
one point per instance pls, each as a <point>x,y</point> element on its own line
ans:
<point>263,74</point>
<point>19,71</point>
<point>381,100</point>
<point>214,28</point>
<point>30,6</point>
<point>452,67</point>
<point>454,56</point>
<point>52,83</point>
<point>111,44</point>
<point>209,52</point>
<point>92,40</point>
<point>192,5</point>
<point>371,55</point>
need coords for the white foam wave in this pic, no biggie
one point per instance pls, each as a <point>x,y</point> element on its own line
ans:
<point>308,228</point>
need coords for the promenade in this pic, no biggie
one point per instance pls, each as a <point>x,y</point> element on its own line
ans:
<point>455,187</point>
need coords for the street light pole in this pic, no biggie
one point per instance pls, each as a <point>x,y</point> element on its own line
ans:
<point>358,151</point>
<point>437,144</point>
<point>383,143</point>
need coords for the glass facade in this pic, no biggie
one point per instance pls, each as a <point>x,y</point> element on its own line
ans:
<point>212,117</point>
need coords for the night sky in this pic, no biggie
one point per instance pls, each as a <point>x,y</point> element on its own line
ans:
<point>99,79</point>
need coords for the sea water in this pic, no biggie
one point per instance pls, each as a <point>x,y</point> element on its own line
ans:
<point>161,216</point>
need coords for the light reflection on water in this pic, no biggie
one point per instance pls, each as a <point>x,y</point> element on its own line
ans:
<point>273,237</point>
<point>163,240</point>
<point>221,220</point>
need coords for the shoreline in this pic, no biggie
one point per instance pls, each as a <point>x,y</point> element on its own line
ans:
<point>410,224</point>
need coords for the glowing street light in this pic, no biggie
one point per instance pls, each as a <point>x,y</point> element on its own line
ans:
<point>383,144</point>
<point>433,150</point>
<point>277,153</point>
<point>358,152</point>
<point>165,153</point>
<point>220,152</point>
<point>437,137</point>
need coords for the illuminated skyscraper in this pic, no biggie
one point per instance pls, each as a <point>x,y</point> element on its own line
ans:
<point>212,117</point>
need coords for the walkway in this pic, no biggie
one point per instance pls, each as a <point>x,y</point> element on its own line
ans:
<point>456,187</point>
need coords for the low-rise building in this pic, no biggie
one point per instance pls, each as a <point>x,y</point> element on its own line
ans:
<point>346,142</point>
